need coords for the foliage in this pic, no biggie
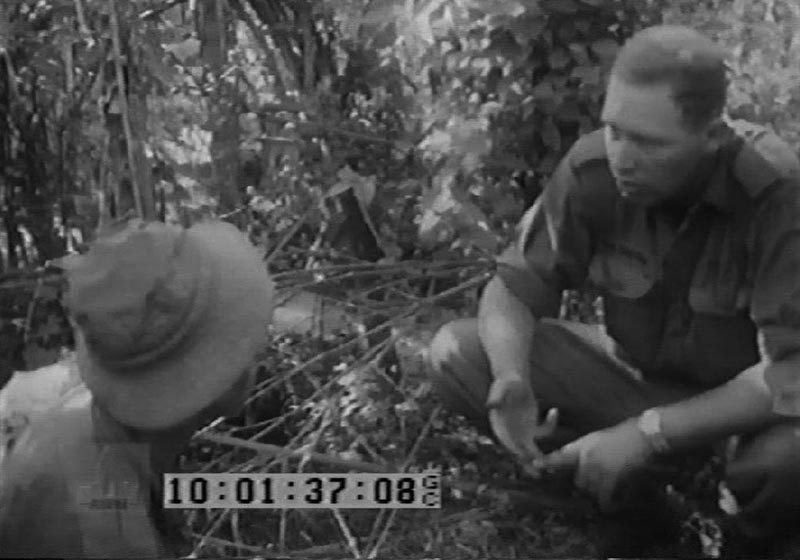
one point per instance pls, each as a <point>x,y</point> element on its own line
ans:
<point>764,53</point>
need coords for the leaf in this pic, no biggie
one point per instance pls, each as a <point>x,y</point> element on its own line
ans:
<point>527,27</point>
<point>491,109</point>
<point>338,188</point>
<point>605,49</point>
<point>588,75</point>
<point>184,50</point>
<point>558,58</point>
<point>543,91</point>
<point>551,136</point>
<point>365,189</point>
<point>561,6</point>
<point>579,54</point>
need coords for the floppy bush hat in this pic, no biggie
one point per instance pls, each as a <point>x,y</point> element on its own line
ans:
<point>167,318</point>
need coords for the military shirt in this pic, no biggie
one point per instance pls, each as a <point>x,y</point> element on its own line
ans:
<point>698,300</point>
<point>78,485</point>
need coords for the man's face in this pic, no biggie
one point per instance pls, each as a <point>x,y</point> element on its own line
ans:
<point>651,152</point>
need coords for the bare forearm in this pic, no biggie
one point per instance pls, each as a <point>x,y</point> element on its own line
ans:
<point>505,327</point>
<point>742,405</point>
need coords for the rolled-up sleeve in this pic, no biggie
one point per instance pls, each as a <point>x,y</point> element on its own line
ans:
<point>552,249</point>
<point>776,296</point>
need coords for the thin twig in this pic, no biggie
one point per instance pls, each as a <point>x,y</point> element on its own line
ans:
<point>152,13</point>
<point>412,454</point>
<point>270,450</point>
<point>80,13</point>
<point>352,544</point>
<point>237,536</point>
<point>288,237</point>
<point>260,35</point>
<point>330,354</point>
<point>413,266</point>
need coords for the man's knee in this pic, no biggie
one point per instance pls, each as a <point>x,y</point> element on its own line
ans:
<point>455,345</point>
<point>459,369</point>
<point>765,476</point>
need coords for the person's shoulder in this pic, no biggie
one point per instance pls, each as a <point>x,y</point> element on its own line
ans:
<point>51,438</point>
<point>592,192</point>
<point>764,159</point>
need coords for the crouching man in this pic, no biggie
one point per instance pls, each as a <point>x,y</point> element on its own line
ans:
<point>168,322</point>
<point>692,236</point>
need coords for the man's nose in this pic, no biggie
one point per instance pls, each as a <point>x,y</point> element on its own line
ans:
<point>626,156</point>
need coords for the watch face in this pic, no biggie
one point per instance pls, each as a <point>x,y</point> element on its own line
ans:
<point>650,422</point>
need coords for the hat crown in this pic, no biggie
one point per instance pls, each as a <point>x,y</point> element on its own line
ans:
<point>137,292</point>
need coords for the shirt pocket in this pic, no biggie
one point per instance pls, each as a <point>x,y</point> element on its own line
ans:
<point>622,272</point>
<point>720,286</point>
<point>729,298</point>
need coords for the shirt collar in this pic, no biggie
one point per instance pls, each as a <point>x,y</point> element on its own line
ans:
<point>718,193</point>
<point>737,160</point>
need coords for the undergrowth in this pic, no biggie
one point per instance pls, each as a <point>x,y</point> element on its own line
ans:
<point>358,392</point>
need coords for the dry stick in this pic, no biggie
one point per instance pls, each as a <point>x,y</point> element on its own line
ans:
<point>315,127</point>
<point>324,551</point>
<point>223,514</point>
<point>352,544</point>
<point>274,450</point>
<point>465,286</point>
<point>288,237</point>
<point>414,266</point>
<point>278,421</point>
<point>237,536</point>
<point>279,452</point>
<point>123,105</point>
<point>269,450</point>
<point>282,526</point>
<point>414,449</point>
<point>81,16</point>
<point>259,34</point>
<point>328,354</point>
<point>256,550</point>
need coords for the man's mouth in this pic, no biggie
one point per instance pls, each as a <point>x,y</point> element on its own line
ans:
<point>630,188</point>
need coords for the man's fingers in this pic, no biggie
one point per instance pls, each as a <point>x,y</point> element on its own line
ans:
<point>564,458</point>
<point>606,493</point>
<point>496,397</point>
<point>549,425</point>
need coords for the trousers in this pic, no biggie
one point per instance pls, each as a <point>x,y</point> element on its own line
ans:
<point>575,368</point>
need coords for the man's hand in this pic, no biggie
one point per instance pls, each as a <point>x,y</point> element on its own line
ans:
<point>514,417</point>
<point>601,460</point>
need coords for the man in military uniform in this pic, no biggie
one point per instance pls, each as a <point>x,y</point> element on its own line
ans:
<point>692,237</point>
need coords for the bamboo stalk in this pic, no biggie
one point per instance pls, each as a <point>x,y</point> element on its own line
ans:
<point>309,49</point>
<point>80,14</point>
<point>259,32</point>
<point>124,109</point>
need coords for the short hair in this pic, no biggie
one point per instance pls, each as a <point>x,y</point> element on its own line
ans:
<point>683,58</point>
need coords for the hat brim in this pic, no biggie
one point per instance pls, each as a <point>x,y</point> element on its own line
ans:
<point>232,331</point>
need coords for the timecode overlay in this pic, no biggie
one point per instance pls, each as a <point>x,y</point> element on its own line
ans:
<point>303,490</point>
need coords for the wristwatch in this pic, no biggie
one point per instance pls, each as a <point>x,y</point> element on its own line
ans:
<point>650,425</point>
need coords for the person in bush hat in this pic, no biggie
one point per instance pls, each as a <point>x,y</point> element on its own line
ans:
<point>168,322</point>
<point>691,234</point>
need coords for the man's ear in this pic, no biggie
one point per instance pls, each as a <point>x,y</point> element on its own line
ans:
<point>716,134</point>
